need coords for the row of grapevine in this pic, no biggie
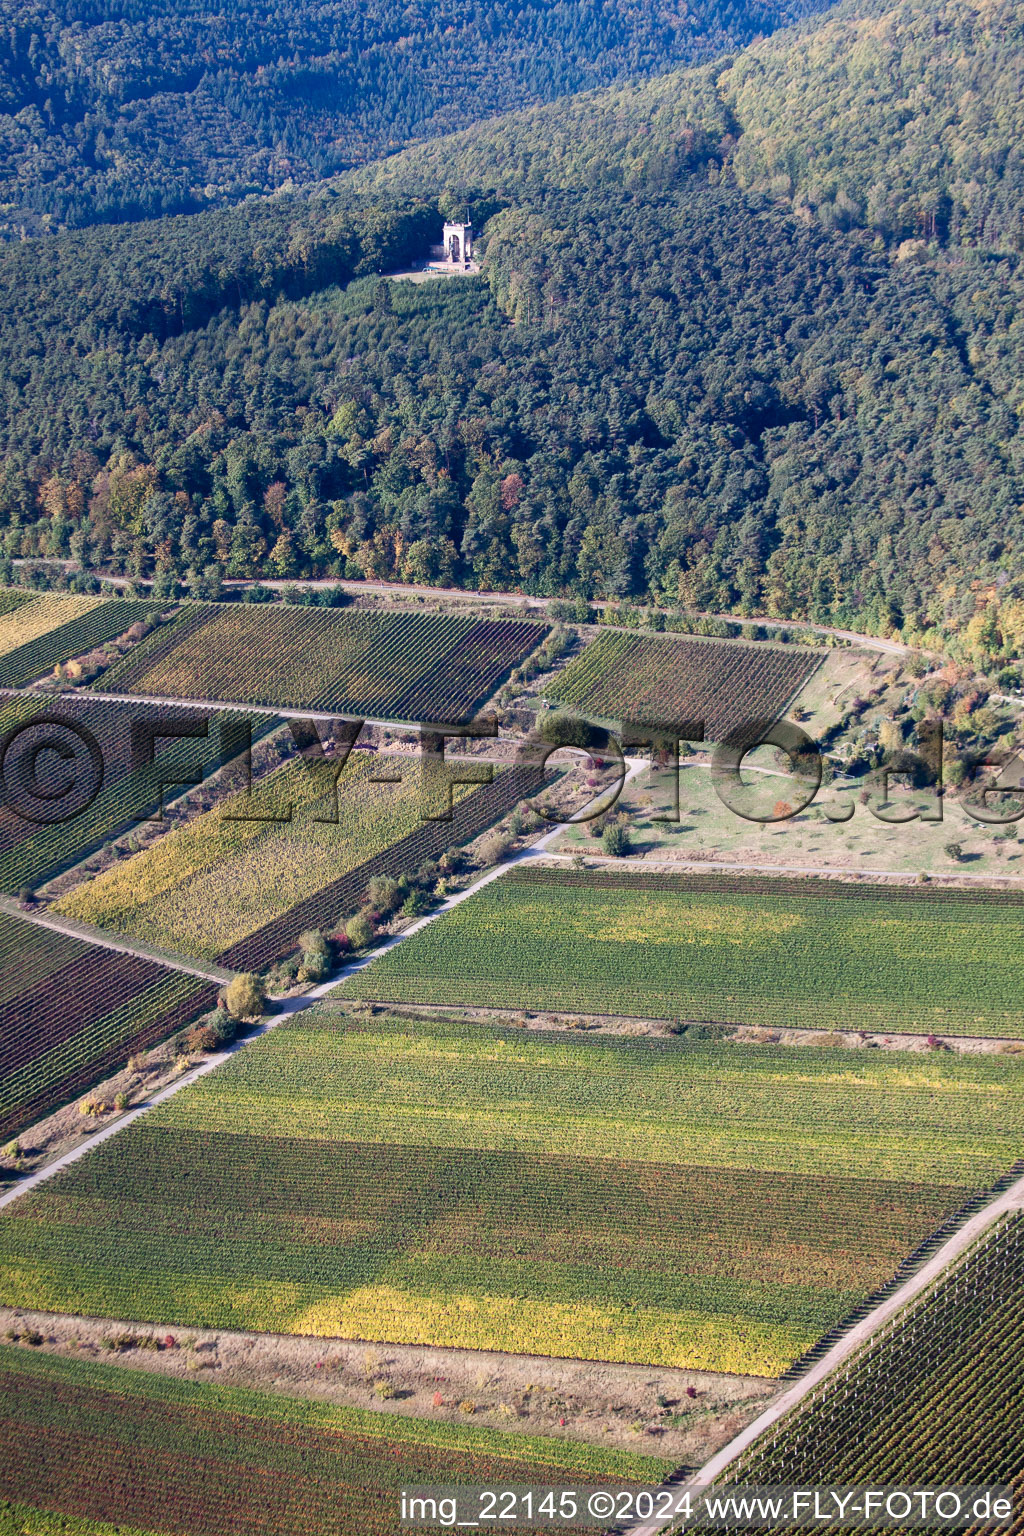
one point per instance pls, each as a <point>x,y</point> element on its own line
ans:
<point>403,666</point>
<point>722,682</point>
<point>326,907</point>
<point>25,617</point>
<point>85,1442</point>
<point>675,1202</point>
<point>222,875</point>
<point>731,950</point>
<point>157,645</point>
<point>104,621</point>
<point>72,1012</point>
<point>936,1399</point>
<point>33,852</point>
<point>804,887</point>
<point>11,599</point>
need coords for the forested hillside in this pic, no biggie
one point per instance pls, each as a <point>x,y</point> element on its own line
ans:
<point>677,376</point>
<point>904,118</point>
<point>113,109</point>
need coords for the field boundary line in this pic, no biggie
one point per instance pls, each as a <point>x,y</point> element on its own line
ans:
<point>286,1006</point>
<point>285,712</point>
<point>861,1334</point>
<point>817,870</point>
<point>73,928</point>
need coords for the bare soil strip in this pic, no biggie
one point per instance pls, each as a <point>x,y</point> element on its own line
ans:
<point>648,1408</point>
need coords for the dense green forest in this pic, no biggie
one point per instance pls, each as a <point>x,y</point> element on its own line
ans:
<point>115,109</point>
<point>677,375</point>
<point>904,118</point>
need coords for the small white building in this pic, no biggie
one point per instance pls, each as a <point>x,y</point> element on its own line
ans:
<point>456,248</point>
<point>458,244</point>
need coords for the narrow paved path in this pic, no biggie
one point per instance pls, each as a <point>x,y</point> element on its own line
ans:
<point>513,599</point>
<point>1010,1200</point>
<point>180,702</point>
<point>72,928</point>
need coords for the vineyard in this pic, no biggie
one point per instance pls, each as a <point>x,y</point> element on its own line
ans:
<point>397,666</point>
<point>73,626</point>
<point>472,814</point>
<point>934,1400</point>
<point>25,617</point>
<point>217,879</point>
<point>725,949</point>
<point>71,1013</point>
<point>10,599</point>
<point>31,852</point>
<point>667,682</point>
<point>675,1202</point>
<point>93,1442</point>
<point>244,889</point>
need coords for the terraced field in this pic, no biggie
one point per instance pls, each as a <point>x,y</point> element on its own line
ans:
<point>400,666</point>
<point>86,1442</point>
<point>724,949</point>
<point>38,635</point>
<point>933,1401</point>
<point>703,1204</point>
<point>666,682</point>
<point>71,1013</point>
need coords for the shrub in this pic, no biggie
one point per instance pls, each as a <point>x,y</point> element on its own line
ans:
<point>493,848</point>
<point>561,729</point>
<point>384,893</point>
<point>428,873</point>
<point>616,841</point>
<point>202,1037</point>
<point>316,957</point>
<point>359,931</point>
<point>415,904</point>
<point>955,852</point>
<point>246,996</point>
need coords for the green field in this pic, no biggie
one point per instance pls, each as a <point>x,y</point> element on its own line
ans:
<point>102,1450</point>
<point>215,880</point>
<point>725,949</point>
<point>702,1204</point>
